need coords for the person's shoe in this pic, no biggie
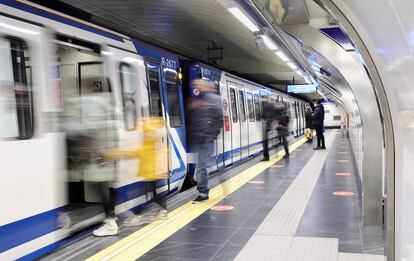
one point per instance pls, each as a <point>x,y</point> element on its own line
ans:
<point>323,148</point>
<point>265,159</point>
<point>133,221</point>
<point>286,156</point>
<point>161,214</point>
<point>317,148</point>
<point>109,228</point>
<point>200,199</point>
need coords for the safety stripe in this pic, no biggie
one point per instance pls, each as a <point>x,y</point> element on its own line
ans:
<point>140,242</point>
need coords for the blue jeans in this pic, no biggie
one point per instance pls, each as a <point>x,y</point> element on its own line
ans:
<point>203,152</point>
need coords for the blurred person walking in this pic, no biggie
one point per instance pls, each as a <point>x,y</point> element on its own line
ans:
<point>308,124</point>
<point>153,156</point>
<point>90,133</point>
<point>282,127</point>
<point>205,121</point>
<point>318,117</point>
<point>269,115</point>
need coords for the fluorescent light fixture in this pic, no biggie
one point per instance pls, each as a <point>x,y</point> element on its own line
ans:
<point>282,56</point>
<point>107,53</point>
<point>18,29</point>
<point>299,72</point>
<point>291,65</point>
<point>244,19</point>
<point>269,42</point>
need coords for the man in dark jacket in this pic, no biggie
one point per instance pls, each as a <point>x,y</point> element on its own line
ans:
<point>268,117</point>
<point>318,117</point>
<point>204,123</point>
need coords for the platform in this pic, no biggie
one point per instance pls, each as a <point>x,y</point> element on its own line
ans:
<point>307,207</point>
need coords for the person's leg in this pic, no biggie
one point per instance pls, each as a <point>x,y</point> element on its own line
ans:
<point>285,145</point>
<point>322,140</point>
<point>108,201</point>
<point>203,154</point>
<point>158,199</point>
<point>266,145</point>
<point>110,228</point>
<point>318,136</point>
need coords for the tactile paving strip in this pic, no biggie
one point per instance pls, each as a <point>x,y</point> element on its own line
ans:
<point>284,218</point>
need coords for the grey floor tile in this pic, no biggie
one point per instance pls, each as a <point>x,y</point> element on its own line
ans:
<point>202,235</point>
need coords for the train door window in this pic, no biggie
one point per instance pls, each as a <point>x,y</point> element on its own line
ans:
<point>250,106</point>
<point>242,107</point>
<point>257,107</point>
<point>155,96</point>
<point>233,105</point>
<point>296,109</point>
<point>173,99</point>
<point>16,102</point>
<point>128,92</point>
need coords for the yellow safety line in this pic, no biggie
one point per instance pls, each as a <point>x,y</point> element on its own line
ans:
<point>140,242</point>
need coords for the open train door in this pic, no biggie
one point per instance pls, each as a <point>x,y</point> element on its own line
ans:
<point>31,148</point>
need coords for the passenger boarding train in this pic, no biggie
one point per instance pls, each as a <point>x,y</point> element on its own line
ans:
<point>47,57</point>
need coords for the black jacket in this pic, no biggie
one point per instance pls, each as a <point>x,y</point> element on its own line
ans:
<point>204,118</point>
<point>318,116</point>
<point>308,118</point>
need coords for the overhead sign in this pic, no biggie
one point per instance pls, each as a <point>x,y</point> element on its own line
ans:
<point>301,88</point>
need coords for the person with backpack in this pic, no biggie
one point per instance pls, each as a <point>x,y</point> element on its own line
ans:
<point>282,127</point>
<point>204,123</point>
<point>318,116</point>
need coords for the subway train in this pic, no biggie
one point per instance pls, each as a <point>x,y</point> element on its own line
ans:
<point>47,57</point>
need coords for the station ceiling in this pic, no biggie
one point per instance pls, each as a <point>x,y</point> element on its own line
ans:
<point>190,27</point>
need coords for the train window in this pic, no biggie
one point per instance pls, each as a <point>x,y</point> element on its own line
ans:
<point>242,107</point>
<point>173,98</point>
<point>233,105</point>
<point>257,107</point>
<point>250,106</point>
<point>16,101</point>
<point>155,96</point>
<point>129,90</point>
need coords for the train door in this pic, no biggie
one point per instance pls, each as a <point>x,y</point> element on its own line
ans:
<point>235,125</point>
<point>220,142</point>
<point>157,108</point>
<point>31,150</point>
<point>258,123</point>
<point>244,128</point>
<point>251,121</point>
<point>295,105</point>
<point>81,74</point>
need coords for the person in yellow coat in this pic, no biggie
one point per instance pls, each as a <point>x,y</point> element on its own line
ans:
<point>153,156</point>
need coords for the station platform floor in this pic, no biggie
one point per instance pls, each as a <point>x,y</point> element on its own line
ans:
<point>306,207</point>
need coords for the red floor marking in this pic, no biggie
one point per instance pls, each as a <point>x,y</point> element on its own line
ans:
<point>276,166</point>
<point>222,208</point>
<point>343,193</point>
<point>256,182</point>
<point>343,174</point>
<point>342,161</point>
